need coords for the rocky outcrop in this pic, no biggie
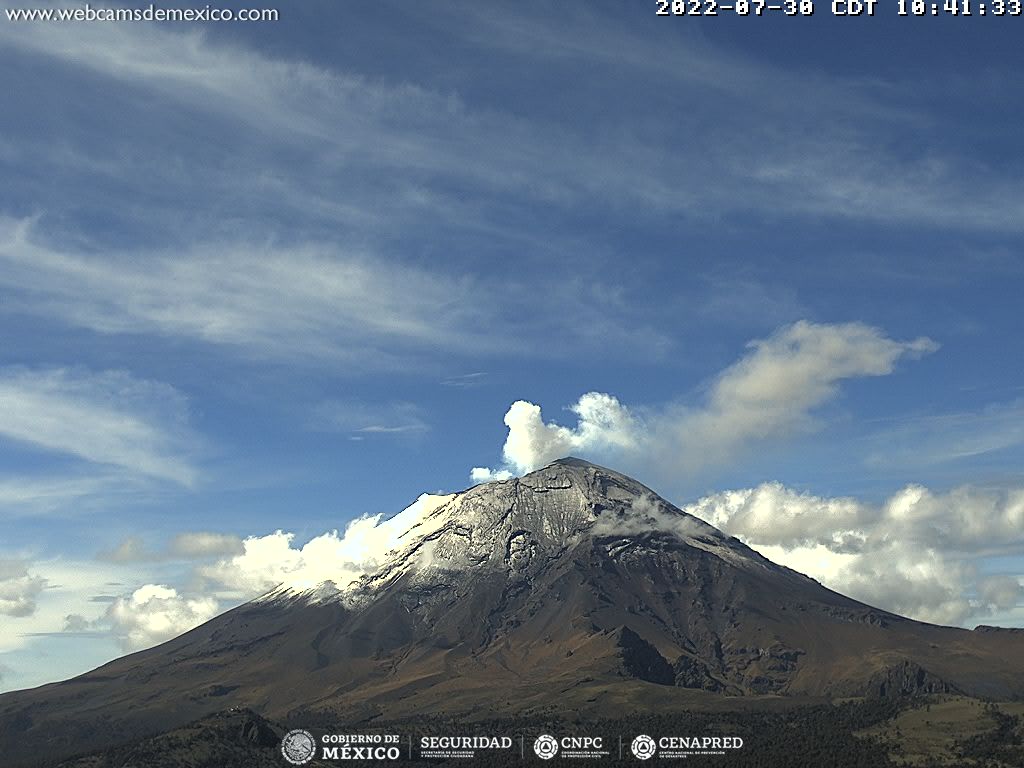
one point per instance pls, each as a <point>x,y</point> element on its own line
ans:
<point>641,660</point>
<point>906,678</point>
<point>986,628</point>
<point>691,672</point>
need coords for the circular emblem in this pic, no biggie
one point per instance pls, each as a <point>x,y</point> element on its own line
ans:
<point>643,747</point>
<point>298,747</point>
<point>546,747</point>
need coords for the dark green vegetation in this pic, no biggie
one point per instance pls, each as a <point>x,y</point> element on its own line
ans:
<point>1003,745</point>
<point>870,733</point>
<point>945,731</point>
<point>234,739</point>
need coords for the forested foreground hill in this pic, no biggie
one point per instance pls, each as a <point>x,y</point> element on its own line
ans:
<point>927,732</point>
<point>955,731</point>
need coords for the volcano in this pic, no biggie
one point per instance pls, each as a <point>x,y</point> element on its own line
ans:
<point>573,587</point>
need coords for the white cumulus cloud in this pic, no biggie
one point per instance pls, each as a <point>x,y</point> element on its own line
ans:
<point>154,613</point>
<point>914,554</point>
<point>18,588</point>
<point>1001,592</point>
<point>272,560</point>
<point>488,475</point>
<point>603,424</point>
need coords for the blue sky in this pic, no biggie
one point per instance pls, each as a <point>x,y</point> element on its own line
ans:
<point>276,277</point>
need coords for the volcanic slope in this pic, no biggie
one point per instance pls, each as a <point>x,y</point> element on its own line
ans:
<point>573,586</point>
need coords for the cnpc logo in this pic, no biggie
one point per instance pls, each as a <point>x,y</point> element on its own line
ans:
<point>547,746</point>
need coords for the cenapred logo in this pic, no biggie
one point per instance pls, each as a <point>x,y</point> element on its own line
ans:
<point>298,747</point>
<point>643,747</point>
<point>545,746</point>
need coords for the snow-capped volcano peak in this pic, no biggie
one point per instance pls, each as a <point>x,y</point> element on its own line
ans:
<point>508,526</point>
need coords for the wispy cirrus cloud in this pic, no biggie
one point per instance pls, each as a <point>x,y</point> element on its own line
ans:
<point>393,418</point>
<point>466,380</point>
<point>317,303</point>
<point>304,301</point>
<point>937,439</point>
<point>807,146</point>
<point>25,496</point>
<point>107,418</point>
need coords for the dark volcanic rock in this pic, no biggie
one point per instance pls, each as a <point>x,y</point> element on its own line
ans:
<point>641,660</point>
<point>255,730</point>
<point>1008,630</point>
<point>691,672</point>
<point>907,679</point>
